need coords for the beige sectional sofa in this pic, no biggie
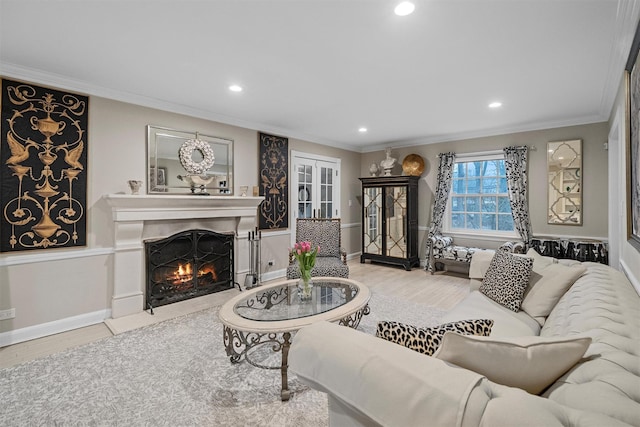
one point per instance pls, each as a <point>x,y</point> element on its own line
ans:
<point>370,381</point>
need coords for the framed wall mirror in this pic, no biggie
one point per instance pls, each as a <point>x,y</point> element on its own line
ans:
<point>167,173</point>
<point>564,171</point>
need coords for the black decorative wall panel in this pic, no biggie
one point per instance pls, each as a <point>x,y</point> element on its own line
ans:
<point>43,161</point>
<point>274,182</point>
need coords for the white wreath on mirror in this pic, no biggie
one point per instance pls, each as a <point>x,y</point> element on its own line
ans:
<point>186,156</point>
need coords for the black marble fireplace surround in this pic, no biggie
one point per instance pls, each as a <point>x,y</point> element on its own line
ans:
<point>187,265</point>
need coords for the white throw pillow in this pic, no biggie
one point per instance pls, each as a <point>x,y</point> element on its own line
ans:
<point>480,261</point>
<point>531,363</point>
<point>547,286</point>
<point>540,261</point>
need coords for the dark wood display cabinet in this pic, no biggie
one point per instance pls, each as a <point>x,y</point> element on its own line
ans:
<point>390,220</point>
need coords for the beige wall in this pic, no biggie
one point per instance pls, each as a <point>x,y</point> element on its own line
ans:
<point>74,286</point>
<point>594,178</point>
<point>69,288</point>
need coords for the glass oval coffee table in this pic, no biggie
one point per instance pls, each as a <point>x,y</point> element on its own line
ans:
<point>271,314</point>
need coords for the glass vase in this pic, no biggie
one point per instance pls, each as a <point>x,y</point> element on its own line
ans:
<point>305,288</point>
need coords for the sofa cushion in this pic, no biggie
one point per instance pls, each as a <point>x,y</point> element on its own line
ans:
<point>547,285</point>
<point>530,363</point>
<point>506,279</point>
<point>506,323</point>
<point>604,305</point>
<point>480,262</point>
<point>540,261</point>
<point>427,340</point>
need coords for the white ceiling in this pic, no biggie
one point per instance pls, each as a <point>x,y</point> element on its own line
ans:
<point>320,69</point>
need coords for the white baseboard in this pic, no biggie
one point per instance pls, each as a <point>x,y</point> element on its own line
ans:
<point>55,327</point>
<point>353,255</point>
<point>272,275</point>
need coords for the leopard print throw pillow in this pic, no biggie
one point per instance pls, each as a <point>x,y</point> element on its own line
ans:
<point>506,279</point>
<point>427,340</point>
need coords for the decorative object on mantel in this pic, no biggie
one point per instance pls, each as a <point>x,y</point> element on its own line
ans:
<point>197,177</point>
<point>274,210</point>
<point>243,190</point>
<point>413,165</point>
<point>185,154</point>
<point>135,186</point>
<point>197,181</point>
<point>388,163</point>
<point>43,158</point>
<point>374,170</point>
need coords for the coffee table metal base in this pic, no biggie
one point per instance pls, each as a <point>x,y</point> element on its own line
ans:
<point>238,344</point>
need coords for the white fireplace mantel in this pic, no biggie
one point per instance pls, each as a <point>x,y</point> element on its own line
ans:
<point>132,213</point>
<point>127,207</point>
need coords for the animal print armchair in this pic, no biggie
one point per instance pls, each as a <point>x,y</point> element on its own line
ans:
<point>331,259</point>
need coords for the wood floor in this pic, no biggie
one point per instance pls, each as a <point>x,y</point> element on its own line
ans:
<point>439,290</point>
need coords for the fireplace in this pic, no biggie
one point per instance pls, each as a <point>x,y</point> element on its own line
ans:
<point>142,218</point>
<point>188,265</point>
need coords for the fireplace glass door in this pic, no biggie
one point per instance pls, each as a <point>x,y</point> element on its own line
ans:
<point>187,265</point>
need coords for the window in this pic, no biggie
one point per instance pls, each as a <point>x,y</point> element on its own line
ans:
<point>479,200</point>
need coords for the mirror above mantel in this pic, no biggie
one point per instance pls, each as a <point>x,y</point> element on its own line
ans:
<point>210,159</point>
<point>564,172</point>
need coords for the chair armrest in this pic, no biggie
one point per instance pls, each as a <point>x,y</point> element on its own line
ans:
<point>513,247</point>
<point>440,241</point>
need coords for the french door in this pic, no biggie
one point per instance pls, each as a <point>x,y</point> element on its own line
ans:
<point>315,186</point>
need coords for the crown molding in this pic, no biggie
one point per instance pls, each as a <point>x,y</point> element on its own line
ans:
<point>62,82</point>
<point>459,136</point>
<point>36,76</point>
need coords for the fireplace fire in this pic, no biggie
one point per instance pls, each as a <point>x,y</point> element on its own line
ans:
<point>187,265</point>
<point>184,274</point>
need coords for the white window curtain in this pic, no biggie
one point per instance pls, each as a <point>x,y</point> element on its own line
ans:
<point>516,164</point>
<point>445,170</point>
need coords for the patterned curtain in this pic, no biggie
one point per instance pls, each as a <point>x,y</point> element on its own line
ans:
<point>515,160</point>
<point>445,170</point>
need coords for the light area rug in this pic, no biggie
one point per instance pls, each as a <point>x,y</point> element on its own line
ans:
<point>174,373</point>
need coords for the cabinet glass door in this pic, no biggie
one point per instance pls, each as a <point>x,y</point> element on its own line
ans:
<point>396,211</point>
<point>372,240</point>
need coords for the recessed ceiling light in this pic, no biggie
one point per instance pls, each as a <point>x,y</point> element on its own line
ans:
<point>235,88</point>
<point>405,8</point>
<point>495,104</point>
<point>362,130</point>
